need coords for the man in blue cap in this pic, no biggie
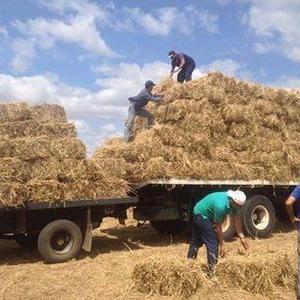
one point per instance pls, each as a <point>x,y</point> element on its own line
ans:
<point>136,108</point>
<point>293,209</point>
<point>185,64</point>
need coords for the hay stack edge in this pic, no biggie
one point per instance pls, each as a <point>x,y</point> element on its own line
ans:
<point>255,273</point>
<point>42,160</point>
<point>212,128</point>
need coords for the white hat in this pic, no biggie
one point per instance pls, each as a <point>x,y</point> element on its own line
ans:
<point>238,197</point>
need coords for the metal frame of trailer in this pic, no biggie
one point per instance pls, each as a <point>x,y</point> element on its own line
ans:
<point>168,203</point>
<point>59,229</point>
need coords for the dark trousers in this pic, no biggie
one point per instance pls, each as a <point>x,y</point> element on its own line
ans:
<point>298,276</point>
<point>203,232</point>
<point>185,74</point>
<point>132,113</point>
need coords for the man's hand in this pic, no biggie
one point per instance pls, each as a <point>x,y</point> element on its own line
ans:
<point>245,243</point>
<point>222,251</point>
<point>295,220</point>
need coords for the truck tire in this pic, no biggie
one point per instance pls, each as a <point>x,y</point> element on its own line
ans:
<point>169,226</point>
<point>259,216</point>
<point>27,241</point>
<point>59,241</point>
<point>228,228</point>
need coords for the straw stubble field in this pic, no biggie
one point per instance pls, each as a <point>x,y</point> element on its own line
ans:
<point>106,273</point>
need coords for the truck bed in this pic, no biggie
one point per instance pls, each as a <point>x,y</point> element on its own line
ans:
<point>73,203</point>
<point>182,182</point>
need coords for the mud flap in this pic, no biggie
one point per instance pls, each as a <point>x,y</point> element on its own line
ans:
<point>87,243</point>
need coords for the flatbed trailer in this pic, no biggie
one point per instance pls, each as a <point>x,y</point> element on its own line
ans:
<point>61,229</point>
<point>168,204</point>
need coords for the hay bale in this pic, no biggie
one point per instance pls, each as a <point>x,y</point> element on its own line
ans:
<point>44,191</point>
<point>214,127</point>
<point>255,273</point>
<point>30,128</point>
<point>48,113</point>
<point>14,111</point>
<point>42,147</point>
<point>168,278</point>
<point>64,171</point>
<point>13,194</point>
<point>13,170</point>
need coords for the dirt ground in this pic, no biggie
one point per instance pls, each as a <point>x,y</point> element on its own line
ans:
<point>105,273</point>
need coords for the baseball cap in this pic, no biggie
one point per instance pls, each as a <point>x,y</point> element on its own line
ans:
<point>149,83</point>
<point>238,197</point>
<point>171,53</point>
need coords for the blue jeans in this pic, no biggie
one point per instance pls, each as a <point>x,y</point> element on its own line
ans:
<point>298,272</point>
<point>132,113</point>
<point>203,232</point>
<point>185,74</point>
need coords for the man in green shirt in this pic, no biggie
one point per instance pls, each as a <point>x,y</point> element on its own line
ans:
<point>209,214</point>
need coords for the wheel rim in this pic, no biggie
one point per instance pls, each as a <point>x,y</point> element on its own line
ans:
<point>61,242</point>
<point>226,223</point>
<point>260,217</point>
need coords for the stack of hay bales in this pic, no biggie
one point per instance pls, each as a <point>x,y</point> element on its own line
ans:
<point>213,128</point>
<point>41,158</point>
<point>260,274</point>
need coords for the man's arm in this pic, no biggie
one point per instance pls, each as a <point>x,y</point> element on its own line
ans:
<point>182,59</point>
<point>154,98</point>
<point>172,71</point>
<point>289,203</point>
<point>220,238</point>
<point>239,230</point>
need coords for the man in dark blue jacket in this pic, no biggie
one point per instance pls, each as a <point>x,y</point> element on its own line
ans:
<point>137,104</point>
<point>293,209</point>
<point>185,64</point>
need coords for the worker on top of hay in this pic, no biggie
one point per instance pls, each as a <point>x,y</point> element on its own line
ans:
<point>186,65</point>
<point>136,108</point>
<point>209,214</point>
<point>293,209</point>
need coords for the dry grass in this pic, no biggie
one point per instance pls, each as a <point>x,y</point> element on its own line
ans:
<point>106,272</point>
<point>43,160</point>
<point>214,127</point>
<point>256,273</point>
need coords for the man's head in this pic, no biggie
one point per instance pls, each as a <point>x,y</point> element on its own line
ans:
<point>149,84</point>
<point>171,54</point>
<point>238,198</point>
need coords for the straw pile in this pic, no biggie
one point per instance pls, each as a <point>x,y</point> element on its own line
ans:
<point>41,158</point>
<point>216,128</point>
<point>167,278</point>
<point>259,274</point>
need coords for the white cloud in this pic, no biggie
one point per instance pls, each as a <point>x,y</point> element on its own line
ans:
<point>24,53</point>
<point>169,19</point>
<point>3,31</point>
<point>277,24</point>
<point>108,104</point>
<point>81,125</point>
<point>228,67</point>
<point>290,82</point>
<point>78,23</point>
<point>80,29</point>
<point>81,7</point>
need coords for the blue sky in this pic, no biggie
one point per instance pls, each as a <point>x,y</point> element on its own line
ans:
<point>90,55</point>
